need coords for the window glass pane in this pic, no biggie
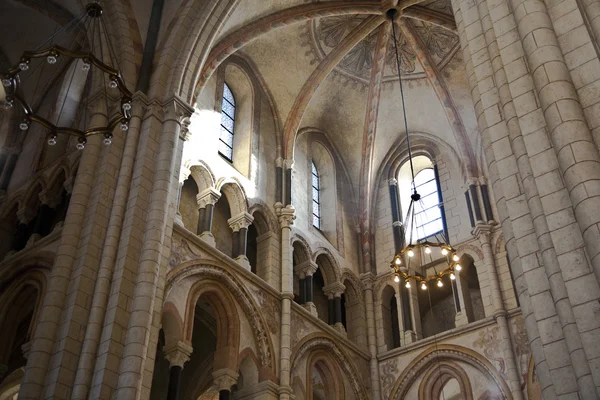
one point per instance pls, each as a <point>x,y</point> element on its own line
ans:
<point>228,108</point>
<point>424,176</point>
<point>316,222</point>
<point>427,188</point>
<point>316,209</point>
<point>428,201</point>
<point>225,150</point>
<point>227,122</point>
<point>227,94</point>
<point>433,227</point>
<point>226,137</point>
<point>315,182</point>
<point>314,169</point>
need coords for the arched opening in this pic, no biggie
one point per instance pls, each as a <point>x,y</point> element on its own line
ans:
<point>437,308</point>
<point>188,205</point>
<point>451,391</point>
<point>259,245</point>
<point>389,312</point>
<point>247,376</point>
<point>252,248</point>
<point>300,255</point>
<point>473,294</point>
<point>220,228</point>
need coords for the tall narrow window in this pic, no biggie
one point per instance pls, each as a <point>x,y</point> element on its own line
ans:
<point>227,123</point>
<point>316,204</point>
<point>428,219</point>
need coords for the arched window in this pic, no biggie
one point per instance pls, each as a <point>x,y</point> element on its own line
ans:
<point>316,203</point>
<point>227,124</point>
<point>427,213</point>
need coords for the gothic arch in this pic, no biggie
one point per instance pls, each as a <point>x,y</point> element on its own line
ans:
<point>434,380</point>
<point>58,177</point>
<point>356,283</point>
<point>446,352</point>
<point>316,342</point>
<point>328,369</point>
<point>31,196</point>
<point>202,270</point>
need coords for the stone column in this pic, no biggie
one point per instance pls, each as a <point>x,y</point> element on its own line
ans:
<point>177,354</point>
<point>305,271</point>
<point>288,168</point>
<point>286,219</point>
<point>224,380</point>
<point>462,300</point>
<point>417,332</point>
<point>334,293</point>
<point>239,224</point>
<point>206,202</point>
<point>367,280</point>
<point>483,232</point>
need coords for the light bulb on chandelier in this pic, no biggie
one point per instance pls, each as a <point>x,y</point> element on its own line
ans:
<point>396,278</point>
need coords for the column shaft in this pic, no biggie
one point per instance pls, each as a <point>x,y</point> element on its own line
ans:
<point>337,305</point>
<point>372,340</point>
<point>174,382</point>
<point>243,242</point>
<point>308,286</point>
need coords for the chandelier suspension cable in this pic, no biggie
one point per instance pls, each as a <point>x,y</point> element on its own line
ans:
<point>412,170</point>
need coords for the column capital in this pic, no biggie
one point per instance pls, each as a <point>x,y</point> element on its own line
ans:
<point>367,280</point>
<point>288,164</point>
<point>68,184</point>
<point>472,181</point>
<point>482,232</point>
<point>392,182</point>
<point>334,289</point>
<point>25,215</point>
<point>49,198</point>
<point>279,162</point>
<point>177,353</point>
<point>397,223</point>
<point>286,216</point>
<point>306,268</point>
<point>207,196</point>
<point>240,221</point>
<point>224,379</point>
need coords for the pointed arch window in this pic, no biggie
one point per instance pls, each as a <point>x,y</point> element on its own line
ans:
<point>227,123</point>
<point>316,203</point>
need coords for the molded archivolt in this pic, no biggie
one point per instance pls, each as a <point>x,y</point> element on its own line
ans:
<point>424,365</point>
<point>187,282</point>
<point>316,344</point>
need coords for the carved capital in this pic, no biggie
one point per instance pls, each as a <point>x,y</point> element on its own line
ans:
<point>243,220</point>
<point>279,162</point>
<point>288,164</point>
<point>397,223</point>
<point>334,289</point>
<point>306,268</point>
<point>177,353</point>
<point>224,379</point>
<point>177,109</point>
<point>25,215</point>
<point>367,280</point>
<point>392,182</point>
<point>68,184</point>
<point>184,133</point>
<point>483,232</point>
<point>286,215</point>
<point>139,104</point>
<point>51,199</point>
<point>207,196</point>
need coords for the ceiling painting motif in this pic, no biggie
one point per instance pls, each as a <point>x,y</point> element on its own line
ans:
<point>324,34</point>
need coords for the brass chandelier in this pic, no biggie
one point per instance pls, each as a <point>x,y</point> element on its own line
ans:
<point>79,57</point>
<point>418,249</point>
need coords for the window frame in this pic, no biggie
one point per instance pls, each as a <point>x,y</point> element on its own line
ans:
<point>316,196</point>
<point>225,114</point>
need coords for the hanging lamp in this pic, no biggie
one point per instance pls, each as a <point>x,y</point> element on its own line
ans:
<point>434,246</point>
<point>81,58</point>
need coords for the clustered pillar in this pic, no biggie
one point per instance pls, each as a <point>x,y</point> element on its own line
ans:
<point>305,273</point>
<point>239,224</point>
<point>206,204</point>
<point>334,293</point>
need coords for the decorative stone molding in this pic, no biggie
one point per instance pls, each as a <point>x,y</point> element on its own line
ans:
<point>243,220</point>
<point>184,133</point>
<point>224,379</point>
<point>286,216</point>
<point>483,232</point>
<point>289,164</point>
<point>306,268</point>
<point>51,199</point>
<point>177,353</point>
<point>367,280</point>
<point>244,299</point>
<point>25,215</point>
<point>68,184</point>
<point>207,196</point>
<point>334,289</point>
<point>397,223</point>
